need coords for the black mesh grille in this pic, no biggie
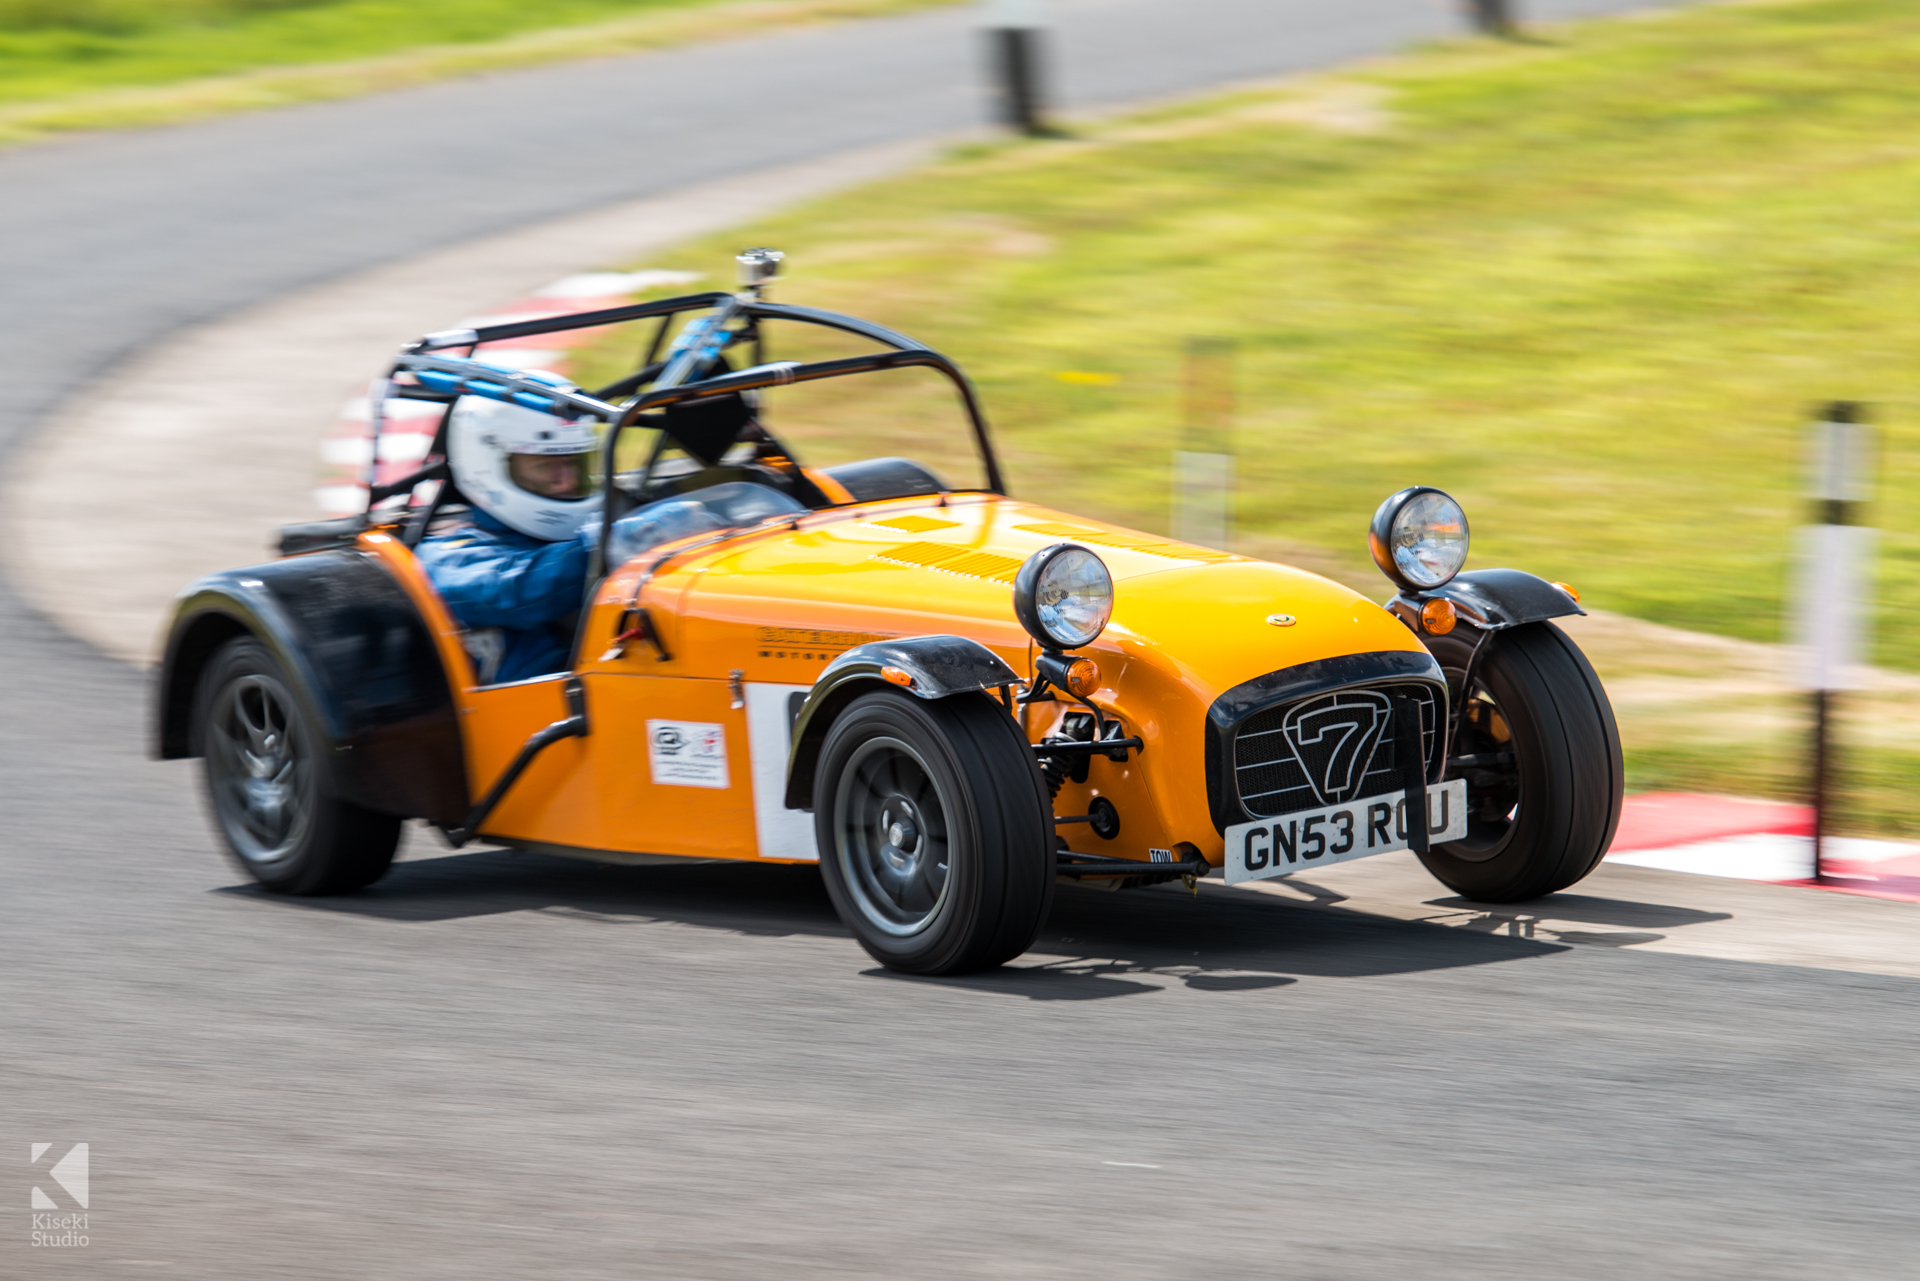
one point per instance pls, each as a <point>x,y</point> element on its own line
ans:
<point>1328,748</point>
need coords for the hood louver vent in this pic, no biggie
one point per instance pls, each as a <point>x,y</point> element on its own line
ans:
<point>1132,543</point>
<point>953,560</point>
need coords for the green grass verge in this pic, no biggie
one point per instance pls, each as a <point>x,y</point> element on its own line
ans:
<point>1592,286</point>
<point>1874,789</point>
<point>93,64</point>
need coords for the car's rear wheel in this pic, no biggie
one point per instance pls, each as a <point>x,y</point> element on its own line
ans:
<point>1537,744</point>
<point>269,788</point>
<point>935,832</point>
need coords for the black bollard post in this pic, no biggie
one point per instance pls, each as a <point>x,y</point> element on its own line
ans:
<point>1821,767</point>
<point>1837,553</point>
<point>1014,37</point>
<point>1493,17</point>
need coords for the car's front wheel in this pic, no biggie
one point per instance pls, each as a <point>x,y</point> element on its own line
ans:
<point>935,832</point>
<point>1536,741</point>
<point>268,786</point>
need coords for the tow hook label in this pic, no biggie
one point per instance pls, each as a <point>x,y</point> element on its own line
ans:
<point>1270,847</point>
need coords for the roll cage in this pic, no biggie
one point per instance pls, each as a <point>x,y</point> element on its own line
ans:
<point>422,372</point>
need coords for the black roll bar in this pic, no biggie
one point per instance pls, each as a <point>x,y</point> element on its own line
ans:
<point>670,388</point>
<point>471,371</point>
<point>905,353</point>
<point>572,320</point>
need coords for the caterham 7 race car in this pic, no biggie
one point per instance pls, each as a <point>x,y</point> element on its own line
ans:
<point>948,697</point>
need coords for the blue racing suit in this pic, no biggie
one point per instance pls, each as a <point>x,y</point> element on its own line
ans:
<point>493,577</point>
<point>516,595</point>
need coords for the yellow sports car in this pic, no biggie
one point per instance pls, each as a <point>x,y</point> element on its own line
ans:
<point>946,696</point>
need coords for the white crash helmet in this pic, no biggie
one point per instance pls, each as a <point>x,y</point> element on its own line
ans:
<point>482,438</point>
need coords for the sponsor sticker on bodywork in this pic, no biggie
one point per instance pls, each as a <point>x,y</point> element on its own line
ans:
<point>1270,847</point>
<point>687,753</point>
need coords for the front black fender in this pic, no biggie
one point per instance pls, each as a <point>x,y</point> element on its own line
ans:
<point>937,667</point>
<point>1491,600</point>
<point>362,661</point>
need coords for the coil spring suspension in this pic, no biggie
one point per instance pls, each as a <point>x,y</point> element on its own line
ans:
<point>1055,769</point>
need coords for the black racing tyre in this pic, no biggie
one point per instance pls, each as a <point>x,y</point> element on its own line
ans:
<point>269,788</point>
<point>935,831</point>
<point>1542,764</point>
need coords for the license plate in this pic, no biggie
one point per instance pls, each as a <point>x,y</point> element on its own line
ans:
<point>1269,847</point>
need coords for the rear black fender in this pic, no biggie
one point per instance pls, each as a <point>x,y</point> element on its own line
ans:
<point>363,664</point>
<point>933,667</point>
<point>1491,600</point>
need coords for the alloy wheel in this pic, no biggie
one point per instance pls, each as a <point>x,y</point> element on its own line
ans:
<point>891,836</point>
<point>260,773</point>
<point>1483,754</point>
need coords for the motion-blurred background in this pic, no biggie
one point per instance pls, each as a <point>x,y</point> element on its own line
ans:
<point>1593,266</point>
<point>1595,282</point>
<point>1592,278</point>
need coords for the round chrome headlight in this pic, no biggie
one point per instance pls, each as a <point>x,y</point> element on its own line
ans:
<point>1063,596</point>
<point>1419,538</point>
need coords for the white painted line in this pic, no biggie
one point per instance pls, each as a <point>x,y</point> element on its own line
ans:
<point>1764,856</point>
<point>398,411</point>
<point>395,447</point>
<point>611,284</point>
<point>340,500</point>
<point>1760,857</point>
<point>405,446</point>
<point>521,357</point>
<point>1131,1165</point>
<point>509,318</point>
<point>346,451</point>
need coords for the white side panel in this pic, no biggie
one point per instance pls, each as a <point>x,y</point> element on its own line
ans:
<point>783,833</point>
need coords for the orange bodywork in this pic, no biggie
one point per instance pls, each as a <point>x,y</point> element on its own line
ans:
<point>748,623</point>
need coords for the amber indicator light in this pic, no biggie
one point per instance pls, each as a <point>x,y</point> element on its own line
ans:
<point>1438,616</point>
<point>1083,677</point>
<point>897,676</point>
<point>1568,589</point>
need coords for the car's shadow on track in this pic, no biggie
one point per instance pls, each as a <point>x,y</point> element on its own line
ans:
<point>741,897</point>
<point>1096,943</point>
<point>1127,942</point>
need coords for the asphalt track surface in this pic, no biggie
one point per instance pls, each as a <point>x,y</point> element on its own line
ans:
<point>496,1066</point>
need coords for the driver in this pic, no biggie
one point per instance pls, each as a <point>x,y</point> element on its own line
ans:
<point>515,575</point>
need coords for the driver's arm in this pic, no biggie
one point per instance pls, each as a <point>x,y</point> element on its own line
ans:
<point>488,583</point>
